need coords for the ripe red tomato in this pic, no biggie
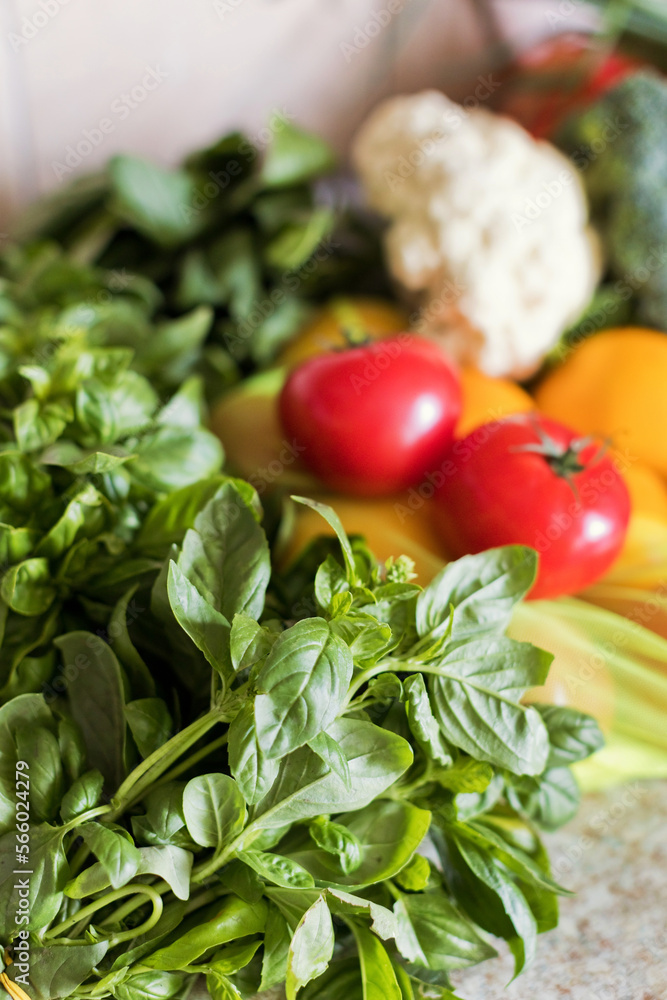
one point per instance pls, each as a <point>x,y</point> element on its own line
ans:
<point>560,75</point>
<point>529,480</point>
<point>376,418</point>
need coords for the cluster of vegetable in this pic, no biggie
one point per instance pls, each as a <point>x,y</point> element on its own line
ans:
<point>271,836</point>
<point>207,770</point>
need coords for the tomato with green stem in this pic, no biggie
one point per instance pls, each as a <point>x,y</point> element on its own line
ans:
<point>532,481</point>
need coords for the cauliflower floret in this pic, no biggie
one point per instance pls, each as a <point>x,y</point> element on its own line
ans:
<point>488,224</point>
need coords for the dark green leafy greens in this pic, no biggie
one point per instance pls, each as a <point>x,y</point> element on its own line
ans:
<point>252,782</point>
<point>209,267</point>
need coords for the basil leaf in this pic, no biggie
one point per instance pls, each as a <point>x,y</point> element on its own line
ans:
<point>145,986</point>
<point>235,919</point>
<point>214,809</point>
<point>37,424</point>
<point>96,701</point>
<point>482,589</point>
<point>164,821</point>
<point>432,933</point>
<point>26,711</point>
<point>294,156</point>
<point>169,519</point>
<point>58,970</point>
<point>254,773</point>
<point>416,875</point>
<point>514,904</point>
<point>168,458</point>
<point>277,869</point>
<point>243,881</point>
<point>311,948</point>
<point>220,988</point>
<point>250,642</point>
<point>377,972</point>
<point>423,723</point>
<point>341,981</point>
<point>152,199</point>
<point>84,794</point>
<point>45,884</point>
<point>306,788</point>
<point>226,556</point>
<point>332,519</point>
<point>388,832</point>
<point>208,629</point>
<point>277,940</point>
<point>117,855</point>
<point>302,686</point>
<point>39,748</point>
<point>28,587</point>
<point>550,800</point>
<point>474,697</point>
<point>573,735</point>
<point>150,724</point>
<point>172,864</point>
<point>486,837</point>
<point>142,683</point>
<point>336,839</point>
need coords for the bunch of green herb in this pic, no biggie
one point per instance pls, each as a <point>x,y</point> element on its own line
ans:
<point>353,811</point>
<point>240,229</point>
<point>87,450</point>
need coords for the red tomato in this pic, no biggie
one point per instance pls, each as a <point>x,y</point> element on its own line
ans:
<point>557,76</point>
<point>373,419</point>
<point>531,481</point>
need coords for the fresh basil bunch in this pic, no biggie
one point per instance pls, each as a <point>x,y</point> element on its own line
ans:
<point>352,813</point>
<point>87,449</point>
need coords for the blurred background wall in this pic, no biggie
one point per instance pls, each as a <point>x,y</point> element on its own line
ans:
<point>82,79</point>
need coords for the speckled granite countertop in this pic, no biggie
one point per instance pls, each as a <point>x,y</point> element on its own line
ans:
<point>611,943</point>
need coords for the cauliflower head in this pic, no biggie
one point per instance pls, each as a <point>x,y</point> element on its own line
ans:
<point>489,225</point>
